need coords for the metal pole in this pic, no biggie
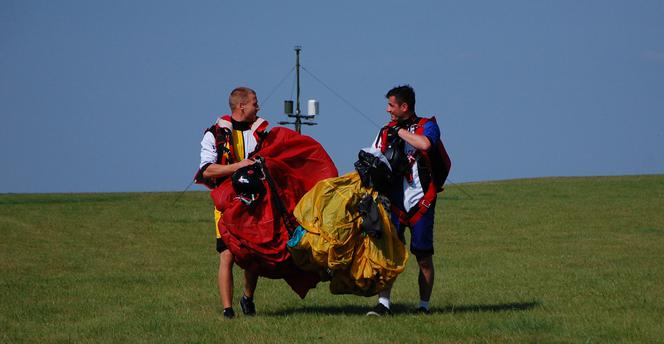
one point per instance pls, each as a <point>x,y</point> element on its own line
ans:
<point>288,104</point>
<point>298,121</point>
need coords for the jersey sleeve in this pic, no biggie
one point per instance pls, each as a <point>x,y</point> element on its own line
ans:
<point>208,150</point>
<point>432,132</point>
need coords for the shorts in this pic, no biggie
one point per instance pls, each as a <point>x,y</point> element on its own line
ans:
<point>421,234</point>
<point>221,246</point>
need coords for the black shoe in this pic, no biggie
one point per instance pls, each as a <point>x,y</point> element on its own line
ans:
<point>379,310</point>
<point>247,305</point>
<point>229,313</point>
<point>422,310</point>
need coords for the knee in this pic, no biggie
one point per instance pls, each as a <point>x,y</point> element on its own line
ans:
<point>226,258</point>
<point>425,263</point>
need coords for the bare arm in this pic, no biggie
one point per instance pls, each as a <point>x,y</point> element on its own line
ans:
<point>218,171</point>
<point>420,142</point>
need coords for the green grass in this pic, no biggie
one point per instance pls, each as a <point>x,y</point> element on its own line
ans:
<point>537,260</point>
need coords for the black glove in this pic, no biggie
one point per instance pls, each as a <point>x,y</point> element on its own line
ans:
<point>392,133</point>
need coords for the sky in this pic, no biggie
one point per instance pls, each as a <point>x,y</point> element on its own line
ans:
<point>113,96</point>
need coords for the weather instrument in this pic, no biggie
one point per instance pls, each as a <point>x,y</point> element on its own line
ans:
<point>312,104</point>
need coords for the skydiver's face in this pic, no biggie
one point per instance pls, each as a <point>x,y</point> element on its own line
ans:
<point>250,108</point>
<point>397,110</point>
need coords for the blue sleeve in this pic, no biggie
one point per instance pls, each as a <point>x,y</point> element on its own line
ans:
<point>432,132</point>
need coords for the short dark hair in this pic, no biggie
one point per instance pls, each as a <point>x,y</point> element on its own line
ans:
<point>403,94</point>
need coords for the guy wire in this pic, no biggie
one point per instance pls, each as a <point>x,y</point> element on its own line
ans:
<point>338,96</point>
<point>276,87</point>
<point>292,90</point>
<point>342,98</point>
<point>369,119</point>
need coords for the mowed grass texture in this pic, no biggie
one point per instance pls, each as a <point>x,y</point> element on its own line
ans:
<point>537,260</point>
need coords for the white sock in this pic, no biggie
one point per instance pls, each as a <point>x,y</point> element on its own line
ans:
<point>424,304</point>
<point>384,301</point>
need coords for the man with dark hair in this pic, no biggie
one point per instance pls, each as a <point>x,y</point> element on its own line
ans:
<point>408,141</point>
<point>225,148</point>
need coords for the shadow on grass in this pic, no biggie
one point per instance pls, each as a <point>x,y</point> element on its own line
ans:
<point>401,309</point>
<point>502,307</point>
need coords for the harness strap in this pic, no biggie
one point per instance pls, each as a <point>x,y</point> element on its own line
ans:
<point>418,210</point>
<point>383,138</point>
<point>223,138</point>
<point>222,131</point>
<point>415,213</point>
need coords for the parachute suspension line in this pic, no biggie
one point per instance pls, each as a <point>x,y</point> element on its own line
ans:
<point>460,188</point>
<point>290,227</point>
<point>342,98</point>
<point>182,192</point>
<point>276,87</point>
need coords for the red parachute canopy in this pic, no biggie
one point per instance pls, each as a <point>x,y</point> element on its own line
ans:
<point>256,234</point>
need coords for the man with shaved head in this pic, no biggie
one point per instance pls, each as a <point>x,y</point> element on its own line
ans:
<point>225,148</point>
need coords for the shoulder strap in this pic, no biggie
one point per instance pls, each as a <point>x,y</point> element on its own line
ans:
<point>421,122</point>
<point>222,139</point>
<point>383,136</point>
<point>258,125</point>
<point>225,122</point>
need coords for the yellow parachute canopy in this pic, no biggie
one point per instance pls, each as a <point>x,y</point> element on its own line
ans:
<point>331,242</point>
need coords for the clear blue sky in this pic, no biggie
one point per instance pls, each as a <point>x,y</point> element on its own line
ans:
<point>114,95</point>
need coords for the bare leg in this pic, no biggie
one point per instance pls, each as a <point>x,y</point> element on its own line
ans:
<point>250,281</point>
<point>426,277</point>
<point>226,278</point>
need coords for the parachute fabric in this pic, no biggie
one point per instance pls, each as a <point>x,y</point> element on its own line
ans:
<point>331,241</point>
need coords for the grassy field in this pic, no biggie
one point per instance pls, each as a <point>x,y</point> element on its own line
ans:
<point>537,260</point>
